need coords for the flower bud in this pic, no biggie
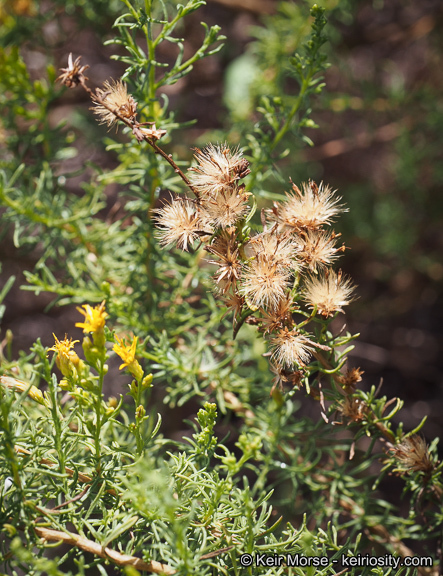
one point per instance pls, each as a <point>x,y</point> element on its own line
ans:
<point>140,412</point>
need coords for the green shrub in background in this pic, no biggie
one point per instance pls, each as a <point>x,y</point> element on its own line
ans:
<point>96,472</point>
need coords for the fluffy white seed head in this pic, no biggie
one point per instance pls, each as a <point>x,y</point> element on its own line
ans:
<point>218,169</point>
<point>178,224</point>
<point>264,283</point>
<point>307,209</point>
<point>290,348</point>
<point>329,292</point>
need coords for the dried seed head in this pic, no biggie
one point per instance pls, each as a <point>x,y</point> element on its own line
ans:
<point>279,317</point>
<point>218,169</point>
<point>351,378</point>
<point>412,455</point>
<point>279,248</point>
<point>329,292</point>
<point>112,103</point>
<point>73,75</point>
<point>178,223</point>
<point>317,249</point>
<point>225,248</point>
<point>353,408</point>
<point>141,132</point>
<point>283,376</point>
<point>225,208</point>
<point>290,348</point>
<point>307,210</point>
<point>264,283</point>
<point>234,302</point>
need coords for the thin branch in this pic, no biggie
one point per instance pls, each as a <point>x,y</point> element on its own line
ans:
<point>103,552</point>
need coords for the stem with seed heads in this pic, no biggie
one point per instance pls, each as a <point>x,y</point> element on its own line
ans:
<point>131,125</point>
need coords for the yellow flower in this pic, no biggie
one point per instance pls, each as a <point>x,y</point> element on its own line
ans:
<point>95,318</point>
<point>67,360</point>
<point>63,347</point>
<point>127,354</point>
<point>15,384</point>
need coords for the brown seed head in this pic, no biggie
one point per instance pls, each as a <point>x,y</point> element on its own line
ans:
<point>73,75</point>
<point>354,408</point>
<point>412,455</point>
<point>283,376</point>
<point>234,302</point>
<point>351,378</point>
<point>113,103</point>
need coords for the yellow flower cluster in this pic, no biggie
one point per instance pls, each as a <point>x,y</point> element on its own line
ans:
<point>127,354</point>
<point>68,361</point>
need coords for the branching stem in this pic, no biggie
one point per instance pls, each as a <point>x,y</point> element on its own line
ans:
<point>133,126</point>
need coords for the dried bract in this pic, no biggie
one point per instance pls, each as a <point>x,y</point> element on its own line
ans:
<point>73,75</point>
